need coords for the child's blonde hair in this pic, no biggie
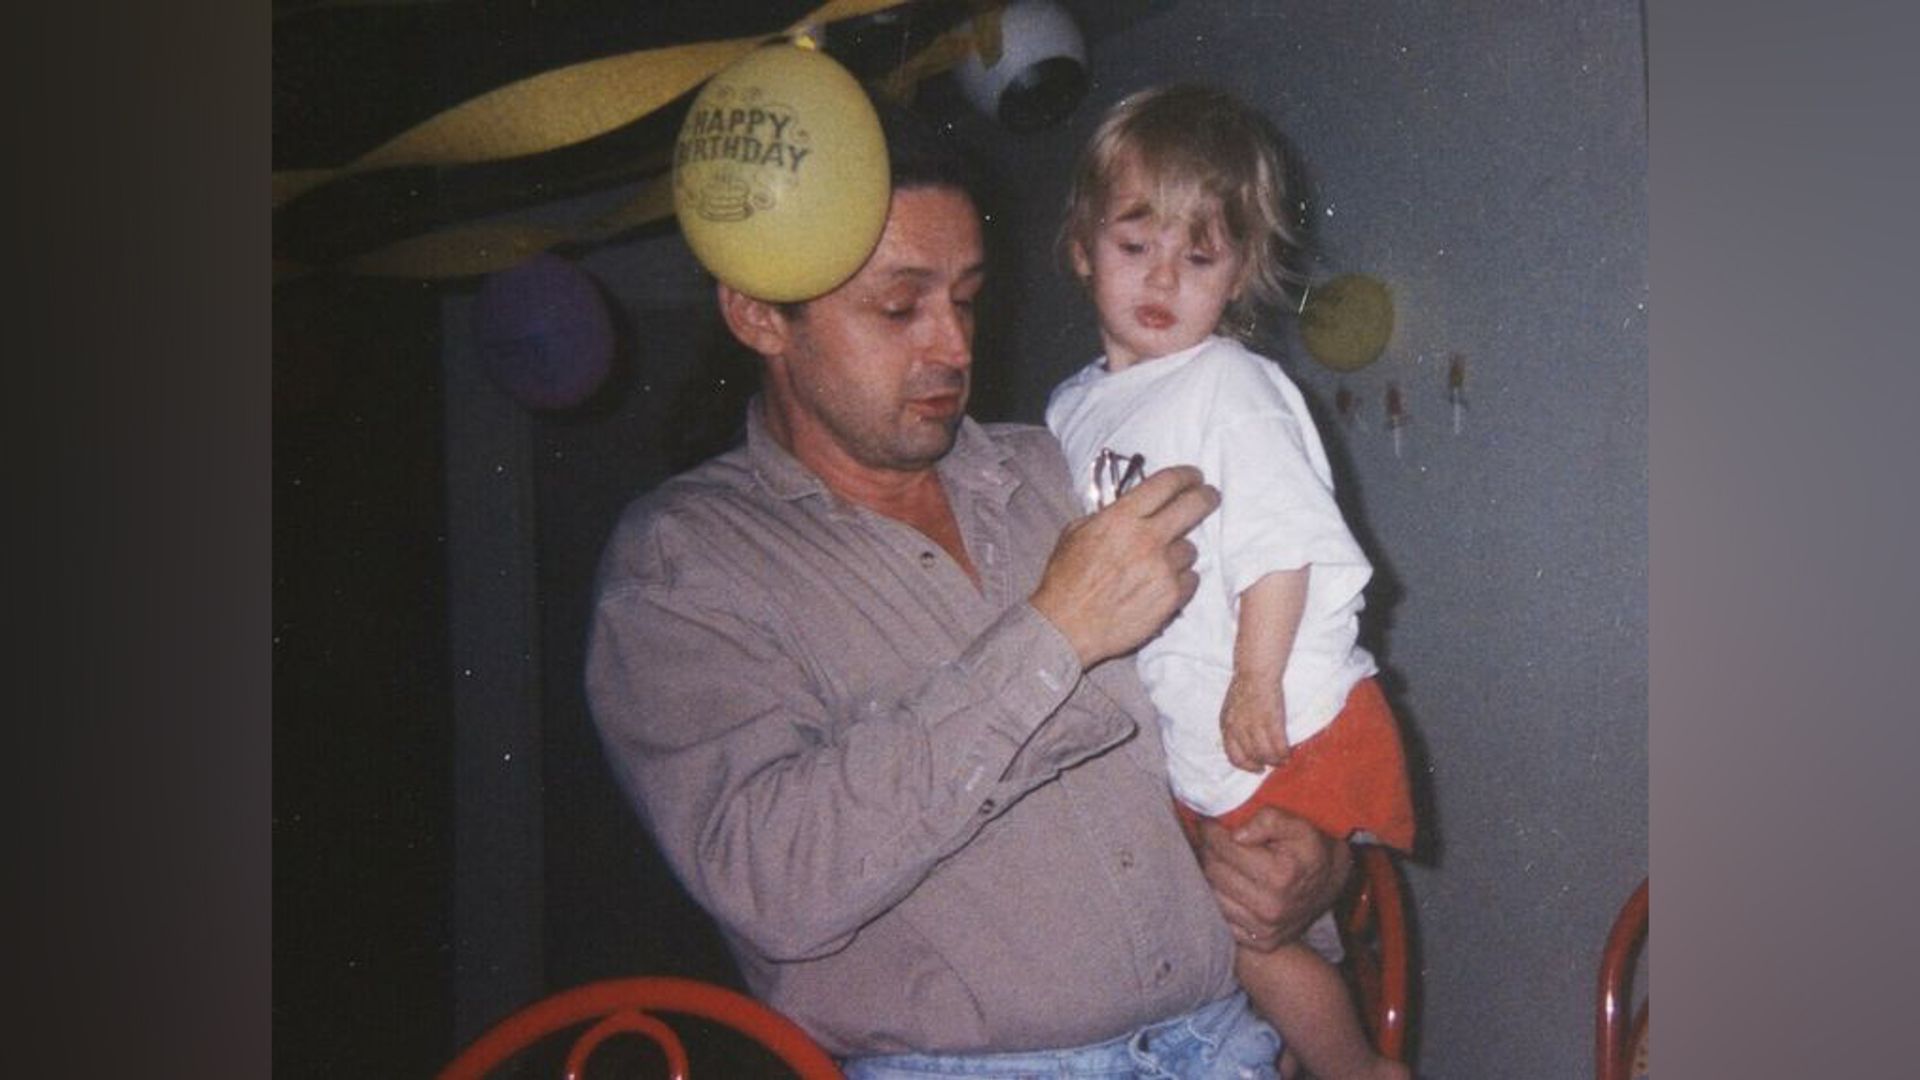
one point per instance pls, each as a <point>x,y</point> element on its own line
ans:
<point>1195,145</point>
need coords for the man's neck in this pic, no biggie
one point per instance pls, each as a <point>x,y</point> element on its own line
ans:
<point>904,495</point>
<point>914,497</point>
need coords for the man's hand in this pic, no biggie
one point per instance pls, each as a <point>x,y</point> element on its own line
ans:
<point>1253,723</point>
<point>1115,578</point>
<point>1272,876</point>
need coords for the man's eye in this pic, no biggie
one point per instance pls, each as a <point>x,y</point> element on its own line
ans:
<point>1131,247</point>
<point>899,314</point>
<point>1200,258</point>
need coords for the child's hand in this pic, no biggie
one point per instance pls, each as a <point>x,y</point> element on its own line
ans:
<point>1253,723</point>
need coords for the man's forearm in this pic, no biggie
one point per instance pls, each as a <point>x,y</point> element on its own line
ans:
<point>794,823</point>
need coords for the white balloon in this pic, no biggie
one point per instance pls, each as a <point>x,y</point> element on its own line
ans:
<point>1042,70</point>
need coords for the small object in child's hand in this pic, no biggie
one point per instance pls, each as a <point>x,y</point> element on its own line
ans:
<point>1114,474</point>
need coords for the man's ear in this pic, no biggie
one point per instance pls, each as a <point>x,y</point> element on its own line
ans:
<point>760,326</point>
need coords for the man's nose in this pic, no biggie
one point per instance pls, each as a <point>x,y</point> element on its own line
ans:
<point>951,337</point>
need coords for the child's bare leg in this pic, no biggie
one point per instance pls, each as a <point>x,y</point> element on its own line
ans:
<point>1303,995</point>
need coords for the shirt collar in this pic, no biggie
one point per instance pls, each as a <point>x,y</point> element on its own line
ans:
<point>1159,364</point>
<point>976,462</point>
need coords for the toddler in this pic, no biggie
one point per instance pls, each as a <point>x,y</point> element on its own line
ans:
<point>1177,224</point>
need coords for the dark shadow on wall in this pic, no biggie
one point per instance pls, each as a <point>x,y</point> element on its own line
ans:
<point>1383,596</point>
<point>1385,591</point>
<point>362,713</point>
<point>999,307</point>
<point>613,906</point>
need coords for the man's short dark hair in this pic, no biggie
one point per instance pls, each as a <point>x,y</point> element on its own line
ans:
<point>919,155</point>
<point>922,155</point>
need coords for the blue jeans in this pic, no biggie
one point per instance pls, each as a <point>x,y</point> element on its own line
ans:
<point>1221,1041</point>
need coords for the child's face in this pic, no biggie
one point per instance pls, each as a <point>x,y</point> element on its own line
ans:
<point>1158,288</point>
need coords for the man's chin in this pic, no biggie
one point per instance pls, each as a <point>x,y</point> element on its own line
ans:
<point>932,440</point>
<point>948,432</point>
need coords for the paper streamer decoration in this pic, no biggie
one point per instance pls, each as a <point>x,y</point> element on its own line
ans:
<point>486,248</point>
<point>559,108</point>
<point>1346,322</point>
<point>535,115</point>
<point>780,175</point>
<point>979,36</point>
<point>543,333</point>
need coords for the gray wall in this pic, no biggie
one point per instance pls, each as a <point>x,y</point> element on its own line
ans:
<point>1488,162</point>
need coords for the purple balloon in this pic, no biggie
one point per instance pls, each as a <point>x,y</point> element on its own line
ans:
<point>543,332</point>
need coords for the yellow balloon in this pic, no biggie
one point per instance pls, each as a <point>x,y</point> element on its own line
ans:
<point>1347,321</point>
<point>780,175</point>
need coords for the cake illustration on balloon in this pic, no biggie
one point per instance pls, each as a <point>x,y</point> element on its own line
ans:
<point>724,198</point>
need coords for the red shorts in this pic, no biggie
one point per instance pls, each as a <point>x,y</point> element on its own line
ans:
<point>1350,776</point>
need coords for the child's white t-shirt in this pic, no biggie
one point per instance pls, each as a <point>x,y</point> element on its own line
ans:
<point>1239,419</point>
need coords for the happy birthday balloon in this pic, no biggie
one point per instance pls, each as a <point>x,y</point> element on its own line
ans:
<point>780,176</point>
<point>1347,321</point>
<point>543,332</point>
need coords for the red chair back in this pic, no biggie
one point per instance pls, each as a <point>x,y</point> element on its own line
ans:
<point>627,1007</point>
<point>1373,930</point>
<point>1616,1042</point>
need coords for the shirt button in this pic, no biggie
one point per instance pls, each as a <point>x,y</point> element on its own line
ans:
<point>926,559</point>
<point>987,807</point>
<point>1126,859</point>
<point>1160,973</point>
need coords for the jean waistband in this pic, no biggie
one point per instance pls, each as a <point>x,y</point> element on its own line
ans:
<point>1121,1054</point>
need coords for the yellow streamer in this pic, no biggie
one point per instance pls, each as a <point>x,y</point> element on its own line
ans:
<point>558,108</point>
<point>534,115</point>
<point>469,249</point>
<point>981,34</point>
<point>545,112</point>
<point>466,250</point>
<point>653,203</point>
<point>986,33</point>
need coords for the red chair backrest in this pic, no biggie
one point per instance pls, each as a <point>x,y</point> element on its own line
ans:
<point>1373,929</point>
<point>1614,1039</point>
<point>626,1007</point>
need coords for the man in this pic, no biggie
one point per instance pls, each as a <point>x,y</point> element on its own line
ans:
<point>867,683</point>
